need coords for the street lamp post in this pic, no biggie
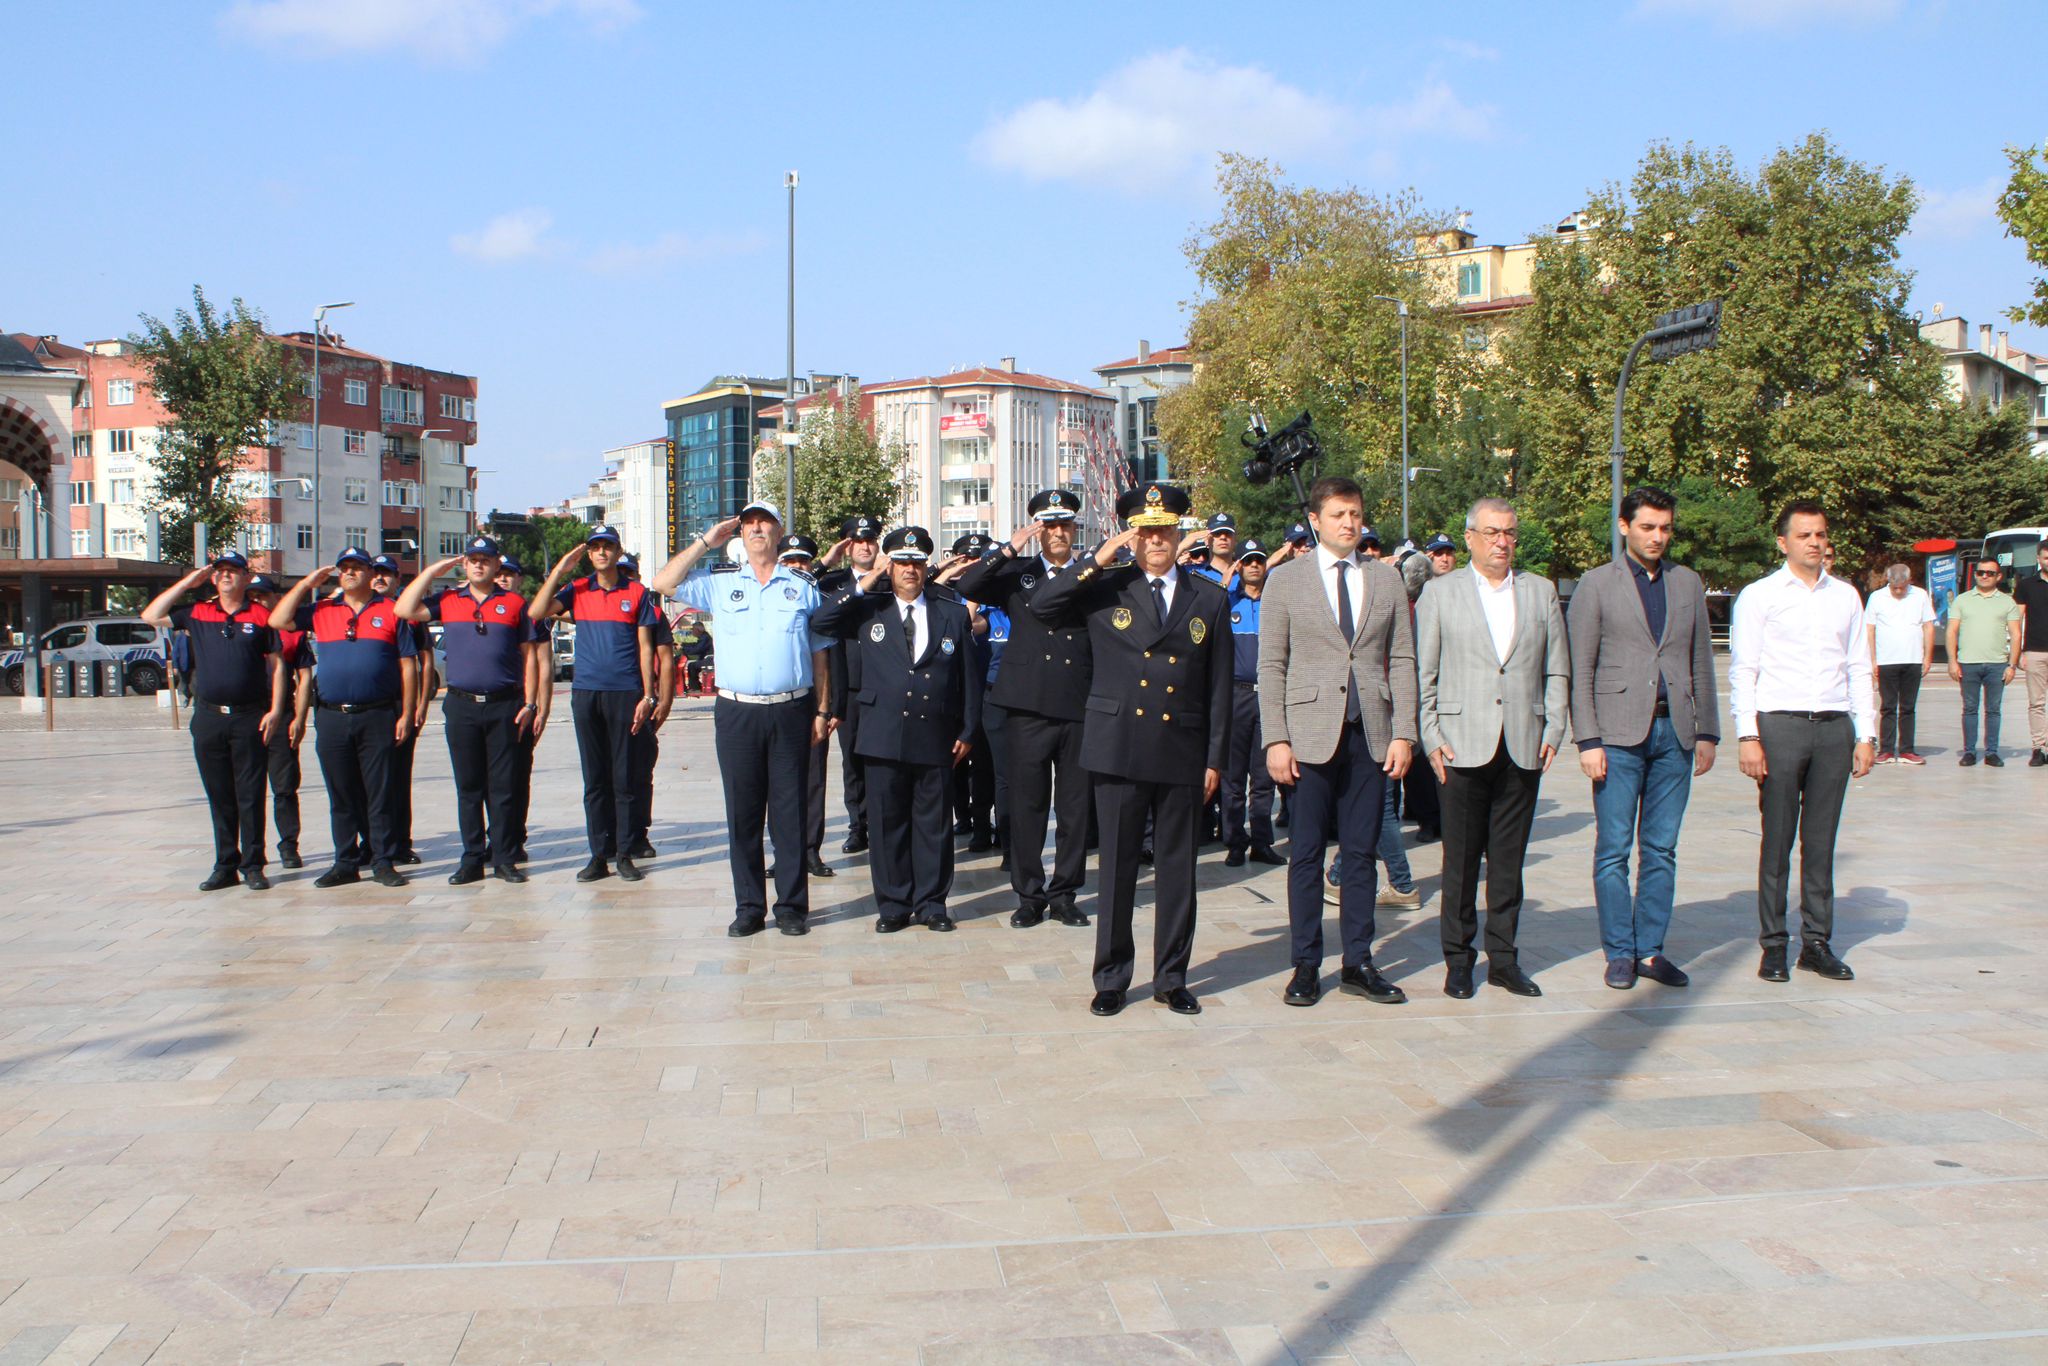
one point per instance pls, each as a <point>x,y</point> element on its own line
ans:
<point>319,318</point>
<point>1401,311</point>
<point>1677,333</point>
<point>789,392</point>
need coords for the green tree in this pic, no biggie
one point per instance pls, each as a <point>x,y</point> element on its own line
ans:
<point>224,380</point>
<point>1821,385</point>
<point>842,470</point>
<point>537,542</point>
<point>1286,321</point>
<point>2023,208</point>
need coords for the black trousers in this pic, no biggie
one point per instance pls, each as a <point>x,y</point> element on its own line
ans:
<point>1809,765</point>
<point>282,763</point>
<point>401,791</point>
<point>522,786</point>
<point>230,754</point>
<point>764,760</point>
<point>993,720</point>
<point>604,742</point>
<point>1044,771</point>
<point>483,739</point>
<point>355,762</point>
<point>1420,799</point>
<point>1122,807</point>
<point>1898,698</point>
<point>912,857</point>
<point>1247,786</point>
<point>853,774</point>
<point>1345,797</point>
<point>1487,812</point>
<point>645,756</point>
<point>974,785</point>
<point>814,799</point>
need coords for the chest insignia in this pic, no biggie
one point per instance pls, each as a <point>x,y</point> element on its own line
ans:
<point>377,621</point>
<point>501,609</point>
<point>946,646</point>
<point>1121,618</point>
<point>878,633</point>
<point>1236,619</point>
<point>739,595</point>
<point>625,606</point>
<point>1028,580</point>
<point>789,593</point>
<point>1198,630</point>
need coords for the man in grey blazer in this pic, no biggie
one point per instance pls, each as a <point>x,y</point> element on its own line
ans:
<point>1337,712</point>
<point>1644,716</point>
<point>1495,675</point>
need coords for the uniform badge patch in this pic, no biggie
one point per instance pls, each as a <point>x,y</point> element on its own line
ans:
<point>878,633</point>
<point>1198,630</point>
<point>739,595</point>
<point>789,593</point>
<point>376,621</point>
<point>1029,579</point>
<point>501,609</point>
<point>248,628</point>
<point>946,646</point>
<point>1236,619</point>
<point>625,606</point>
<point>1121,618</point>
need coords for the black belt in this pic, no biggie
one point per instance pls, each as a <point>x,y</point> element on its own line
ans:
<point>349,708</point>
<point>1812,715</point>
<point>1240,683</point>
<point>231,708</point>
<point>481,698</point>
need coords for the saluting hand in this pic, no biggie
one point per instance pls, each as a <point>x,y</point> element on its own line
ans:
<point>831,557</point>
<point>1106,553</point>
<point>1026,534</point>
<point>723,532</point>
<point>874,577</point>
<point>576,552</point>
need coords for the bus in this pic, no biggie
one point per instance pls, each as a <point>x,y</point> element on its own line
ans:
<point>2014,549</point>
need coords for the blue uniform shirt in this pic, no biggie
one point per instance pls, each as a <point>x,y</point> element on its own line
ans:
<point>356,654</point>
<point>608,623</point>
<point>1244,637</point>
<point>485,641</point>
<point>763,630</point>
<point>998,637</point>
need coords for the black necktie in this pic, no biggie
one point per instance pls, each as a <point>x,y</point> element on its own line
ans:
<point>1346,629</point>
<point>1159,598</point>
<point>910,630</point>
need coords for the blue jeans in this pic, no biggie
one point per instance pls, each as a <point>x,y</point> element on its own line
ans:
<point>1989,680</point>
<point>1641,803</point>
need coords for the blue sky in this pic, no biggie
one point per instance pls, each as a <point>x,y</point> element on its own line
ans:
<point>580,201</point>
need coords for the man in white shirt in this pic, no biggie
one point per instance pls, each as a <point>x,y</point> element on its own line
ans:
<point>1804,724</point>
<point>1901,621</point>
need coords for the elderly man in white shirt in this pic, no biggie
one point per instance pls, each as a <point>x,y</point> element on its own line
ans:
<point>1805,722</point>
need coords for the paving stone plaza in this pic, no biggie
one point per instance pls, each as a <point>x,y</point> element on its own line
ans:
<point>569,1123</point>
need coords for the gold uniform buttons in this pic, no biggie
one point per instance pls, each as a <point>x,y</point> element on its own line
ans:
<point>1166,716</point>
<point>1141,711</point>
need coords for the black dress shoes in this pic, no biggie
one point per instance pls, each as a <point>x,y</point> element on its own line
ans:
<point>742,927</point>
<point>1992,759</point>
<point>856,843</point>
<point>795,926</point>
<point>1428,834</point>
<point>1024,917</point>
<point>1234,859</point>
<point>1772,966</point>
<point>1266,854</point>
<point>982,842</point>
<point>592,871</point>
<point>889,924</point>
<point>408,856</point>
<point>817,867</point>
<point>384,875</point>
<point>1180,1001</point>
<point>466,874</point>
<point>1305,988</point>
<point>505,872</point>
<point>630,870</point>
<point>939,922</point>
<point>288,854</point>
<point>1820,959</point>
<point>336,877</point>
<point>1067,913</point>
<point>1508,977</point>
<point>255,881</point>
<point>1661,970</point>
<point>963,826</point>
<point>1458,981</point>
<point>1106,1003</point>
<point>641,849</point>
<point>1365,980</point>
<point>219,878</point>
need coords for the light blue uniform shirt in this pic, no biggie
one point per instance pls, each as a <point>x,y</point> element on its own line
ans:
<point>760,632</point>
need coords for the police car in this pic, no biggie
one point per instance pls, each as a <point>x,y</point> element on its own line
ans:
<point>141,648</point>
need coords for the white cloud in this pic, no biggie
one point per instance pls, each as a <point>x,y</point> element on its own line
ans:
<point>1946,215</point>
<point>1161,120</point>
<point>627,258</point>
<point>513,236</point>
<point>1775,14</point>
<point>434,30</point>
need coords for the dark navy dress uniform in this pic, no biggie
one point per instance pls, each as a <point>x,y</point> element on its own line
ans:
<point>846,680</point>
<point>295,657</point>
<point>1158,715</point>
<point>1042,690</point>
<point>358,684</point>
<point>761,725</point>
<point>917,698</point>
<point>232,655</point>
<point>974,778</point>
<point>542,634</point>
<point>607,689</point>
<point>1247,785</point>
<point>485,640</point>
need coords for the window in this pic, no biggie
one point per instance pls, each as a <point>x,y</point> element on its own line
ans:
<point>121,491</point>
<point>355,442</point>
<point>126,542</point>
<point>66,637</point>
<point>303,535</point>
<point>120,391</point>
<point>124,633</point>
<point>81,446</point>
<point>457,500</point>
<point>401,493</point>
<point>305,436</point>
<point>81,491</point>
<point>1468,280</point>
<point>954,493</point>
<point>452,543</point>
<point>121,441</point>
<point>81,544</point>
<point>402,405</point>
<point>451,405</point>
<point>355,490</point>
<point>303,488</point>
<point>469,410</point>
<point>356,391</point>
<point>398,541</point>
<point>306,385</point>
<point>259,536</point>
<point>356,537</point>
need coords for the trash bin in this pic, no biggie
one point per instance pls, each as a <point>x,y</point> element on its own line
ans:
<point>84,680</point>
<point>60,680</point>
<point>113,678</point>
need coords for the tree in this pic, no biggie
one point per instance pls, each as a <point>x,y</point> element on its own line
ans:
<point>225,381</point>
<point>1288,322</point>
<point>2023,208</point>
<point>537,542</point>
<point>842,470</point>
<point>1821,385</point>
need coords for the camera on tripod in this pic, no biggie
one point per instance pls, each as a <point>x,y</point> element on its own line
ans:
<point>1286,451</point>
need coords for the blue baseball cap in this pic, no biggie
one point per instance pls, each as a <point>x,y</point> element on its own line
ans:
<point>1440,542</point>
<point>629,564</point>
<point>384,564</point>
<point>483,545</point>
<point>230,559</point>
<point>351,553</point>
<point>508,565</point>
<point>601,532</point>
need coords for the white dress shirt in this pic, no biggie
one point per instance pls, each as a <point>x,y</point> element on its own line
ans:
<point>1052,569</point>
<point>1499,605</point>
<point>1354,586</point>
<point>1166,581</point>
<point>1794,648</point>
<point>921,616</point>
